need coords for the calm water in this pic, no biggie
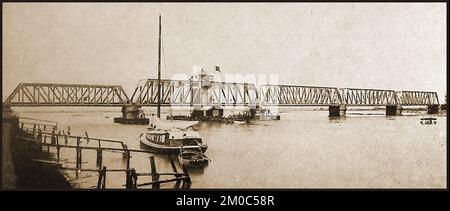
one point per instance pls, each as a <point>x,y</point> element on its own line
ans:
<point>305,149</point>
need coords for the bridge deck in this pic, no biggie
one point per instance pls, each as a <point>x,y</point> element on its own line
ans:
<point>201,93</point>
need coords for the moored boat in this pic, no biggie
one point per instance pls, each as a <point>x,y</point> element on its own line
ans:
<point>191,158</point>
<point>171,141</point>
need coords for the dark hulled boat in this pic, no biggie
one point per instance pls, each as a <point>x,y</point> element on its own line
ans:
<point>171,141</point>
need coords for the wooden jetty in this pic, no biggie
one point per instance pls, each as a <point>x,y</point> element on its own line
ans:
<point>46,136</point>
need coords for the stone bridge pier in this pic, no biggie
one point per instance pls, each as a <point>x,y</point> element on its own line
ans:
<point>394,110</point>
<point>433,109</point>
<point>337,110</point>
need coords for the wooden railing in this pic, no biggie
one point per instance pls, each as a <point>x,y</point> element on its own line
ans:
<point>48,136</point>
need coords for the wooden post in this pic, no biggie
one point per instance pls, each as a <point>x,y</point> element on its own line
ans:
<point>87,137</point>
<point>99,155</point>
<point>99,158</point>
<point>99,181</point>
<point>128,182</point>
<point>34,130</point>
<point>104,178</point>
<point>65,138</point>
<point>53,139</point>
<point>131,182</point>
<point>39,136</point>
<point>128,159</point>
<point>155,176</point>
<point>134,177</point>
<point>78,161</point>
<point>186,182</point>
<point>101,184</point>
<point>57,148</point>
<point>177,183</point>
<point>125,148</point>
<point>48,146</point>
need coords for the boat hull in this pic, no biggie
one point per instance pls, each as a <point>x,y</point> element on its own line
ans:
<point>168,149</point>
<point>193,164</point>
<point>140,121</point>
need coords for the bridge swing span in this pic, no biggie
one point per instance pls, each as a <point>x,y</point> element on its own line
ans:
<point>199,93</point>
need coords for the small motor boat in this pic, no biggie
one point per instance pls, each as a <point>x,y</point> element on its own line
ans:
<point>171,141</point>
<point>191,158</point>
<point>428,121</point>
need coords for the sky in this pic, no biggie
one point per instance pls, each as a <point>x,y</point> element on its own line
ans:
<point>400,46</point>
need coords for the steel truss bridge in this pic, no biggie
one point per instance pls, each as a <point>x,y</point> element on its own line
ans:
<point>48,94</point>
<point>194,93</point>
<point>201,93</point>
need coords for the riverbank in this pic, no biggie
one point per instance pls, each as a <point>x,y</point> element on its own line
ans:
<point>20,171</point>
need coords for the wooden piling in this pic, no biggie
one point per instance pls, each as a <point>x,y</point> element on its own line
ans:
<point>128,158</point>
<point>78,159</point>
<point>128,182</point>
<point>187,181</point>
<point>99,158</point>
<point>65,138</point>
<point>101,184</point>
<point>48,146</point>
<point>53,139</point>
<point>125,149</point>
<point>172,163</point>
<point>34,130</point>
<point>134,177</point>
<point>131,181</point>
<point>87,137</point>
<point>39,136</point>
<point>155,176</point>
<point>58,148</point>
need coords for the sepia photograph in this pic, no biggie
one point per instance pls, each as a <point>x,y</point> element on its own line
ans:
<point>205,96</point>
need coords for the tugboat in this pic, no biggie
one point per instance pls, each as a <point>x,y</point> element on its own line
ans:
<point>191,158</point>
<point>171,141</point>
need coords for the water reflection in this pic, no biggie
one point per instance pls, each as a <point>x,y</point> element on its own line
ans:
<point>337,119</point>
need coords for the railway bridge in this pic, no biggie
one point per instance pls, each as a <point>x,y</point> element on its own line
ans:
<point>199,93</point>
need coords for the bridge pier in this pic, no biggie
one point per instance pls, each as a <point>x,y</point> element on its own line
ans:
<point>433,109</point>
<point>393,110</point>
<point>337,110</point>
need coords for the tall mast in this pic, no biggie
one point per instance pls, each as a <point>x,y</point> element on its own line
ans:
<point>159,71</point>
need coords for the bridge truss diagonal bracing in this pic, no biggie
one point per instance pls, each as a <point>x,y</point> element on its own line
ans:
<point>194,93</point>
<point>417,98</point>
<point>47,94</point>
<point>200,93</point>
<point>289,95</point>
<point>368,97</point>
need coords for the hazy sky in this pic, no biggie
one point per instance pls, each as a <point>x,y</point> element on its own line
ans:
<point>390,46</point>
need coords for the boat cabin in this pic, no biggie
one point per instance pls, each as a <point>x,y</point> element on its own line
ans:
<point>173,138</point>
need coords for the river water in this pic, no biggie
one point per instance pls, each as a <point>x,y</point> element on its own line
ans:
<point>305,149</point>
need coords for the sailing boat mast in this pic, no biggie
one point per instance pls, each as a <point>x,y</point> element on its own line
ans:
<point>159,71</point>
